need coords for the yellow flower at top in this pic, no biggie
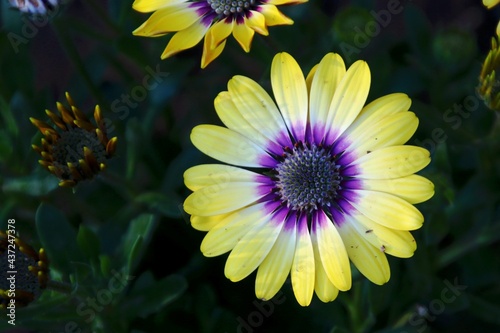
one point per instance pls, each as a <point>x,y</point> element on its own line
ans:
<point>214,19</point>
<point>491,3</point>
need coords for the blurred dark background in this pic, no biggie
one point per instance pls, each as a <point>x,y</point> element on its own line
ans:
<point>130,218</point>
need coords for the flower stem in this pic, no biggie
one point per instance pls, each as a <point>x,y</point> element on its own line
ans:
<point>78,62</point>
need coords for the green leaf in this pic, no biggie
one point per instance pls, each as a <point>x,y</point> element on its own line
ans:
<point>204,306</point>
<point>165,205</point>
<point>89,244</point>
<point>418,27</point>
<point>6,147</point>
<point>35,184</point>
<point>82,276</point>
<point>58,238</point>
<point>132,135</point>
<point>135,253</point>
<point>105,262</point>
<point>136,240</point>
<point>484,310</point>
<point>9,123</point>
<point>149,296</point>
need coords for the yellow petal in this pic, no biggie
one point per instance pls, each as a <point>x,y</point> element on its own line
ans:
<point>323,287</point>
<point>274,16</point>
<point>388,210</point>
<point>146,6</point>
<point>382,107</point>
<point>257,22</point>
<point>168,19</point>
<point>348,100</point>
<point>329,73</point>
<point>414,188</point>
<point>219,33</point>
<point>210,55</point>
<point>332,252</point>
<point>204,175</point>
<point>398,243</point>
<point>290,92</point>
<point>243,35</point>
<point>310,78</point>
<point>227,146</point>
<point>302,273</point>
<point>251,250</point>
<point>235,120</point>
<point>206,223</point>
<point>275,268</point>
<point>230,228</point>
<point>392,162</point>
<point>185,39</point>
<point>392,130</point>
<point>221,198</point>
<point>257,107</point>
<point>368,259</point>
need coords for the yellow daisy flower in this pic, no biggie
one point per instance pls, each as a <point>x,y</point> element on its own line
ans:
<point>214,19</point>
<point>29,268</point>
<point>330,180</point>
<point>76,149</point>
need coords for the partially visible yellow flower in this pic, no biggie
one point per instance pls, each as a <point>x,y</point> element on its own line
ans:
<point>76,149</point>
<point>489,85</point>
<point>29,268</point>
<point>214,19</point>
<point>491,3</point>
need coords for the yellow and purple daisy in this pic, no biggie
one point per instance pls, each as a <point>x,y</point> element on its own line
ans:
<point>214,19</point>
<point>330,179</point>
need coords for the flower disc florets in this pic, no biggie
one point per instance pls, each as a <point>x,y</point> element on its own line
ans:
<point>307,178</point>
<point>230,7</point>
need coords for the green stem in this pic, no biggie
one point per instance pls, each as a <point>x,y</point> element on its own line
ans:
<point>353,305</point>
<point>120,184</point>
<point>61,30</point>
<point>495,130</point>
<point>103,15</point>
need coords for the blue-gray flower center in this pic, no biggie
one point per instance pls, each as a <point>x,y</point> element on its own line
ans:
<point>307,178</point>
<point>230,7</point>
